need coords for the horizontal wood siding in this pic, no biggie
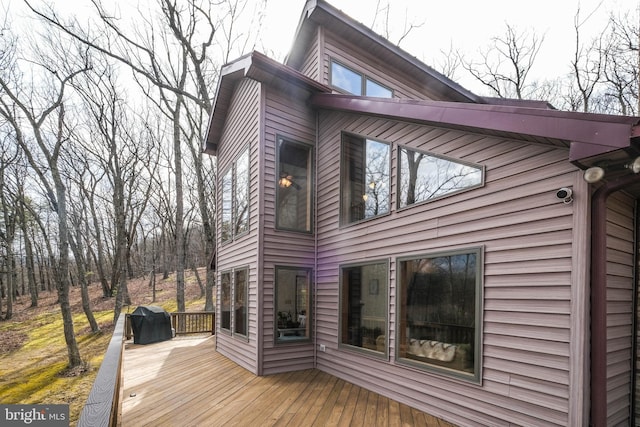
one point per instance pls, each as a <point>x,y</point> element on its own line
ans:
<point>527,235</point>
<point>310,66</point>
<point>289,117</point>
<point>403,86</point>
<point>620,274</point>
<point>241,130</point>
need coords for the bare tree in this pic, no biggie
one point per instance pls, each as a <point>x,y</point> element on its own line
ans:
<point>505,65</point>
<point>38,122</point>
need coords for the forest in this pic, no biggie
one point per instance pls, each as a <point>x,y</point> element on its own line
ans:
<point>102,115</point>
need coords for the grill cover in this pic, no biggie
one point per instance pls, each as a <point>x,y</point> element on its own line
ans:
<point>150,324</point>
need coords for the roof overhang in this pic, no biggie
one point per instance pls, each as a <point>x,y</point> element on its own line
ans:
<point>587,135</point>
<point>319,12</point>
<point>258,67</point>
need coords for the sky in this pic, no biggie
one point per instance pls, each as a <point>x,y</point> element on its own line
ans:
<point>467,25</point>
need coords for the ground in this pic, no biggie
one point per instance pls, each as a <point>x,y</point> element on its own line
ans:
<point>33,357</point>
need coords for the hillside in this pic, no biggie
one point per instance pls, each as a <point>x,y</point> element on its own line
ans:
<point>33,354</point>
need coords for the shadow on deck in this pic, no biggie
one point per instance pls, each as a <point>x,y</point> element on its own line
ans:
<point>185,382</point>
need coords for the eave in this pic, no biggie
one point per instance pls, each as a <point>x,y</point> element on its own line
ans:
<point>258,67</point>
<point>586,135</point>
<point>319,12</point>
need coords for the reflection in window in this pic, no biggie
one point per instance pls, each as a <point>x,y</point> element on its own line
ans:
<point>424,176</point>
<point>364,306</point>
<point>375,89</point>
<point>355,83</point>
<point>344,78</point>
<point>439,311</point>
<point>292,304</point>
<point>225,301</point>
<point>241,194</point>
<point>235,199</point>
<point>293,188</point>
<point>365,178</point>
<point>227,202</point>
<point>240,302</point>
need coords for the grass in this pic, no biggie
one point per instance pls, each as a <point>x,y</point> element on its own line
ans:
<point>34,369</point>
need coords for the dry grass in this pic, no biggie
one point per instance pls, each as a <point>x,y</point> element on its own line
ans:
<point>33,354</point>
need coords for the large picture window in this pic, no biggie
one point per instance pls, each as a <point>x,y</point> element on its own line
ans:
<point>439,313</point>
<point>424,176</point>
<point>292,304</point>
<point>294,186</point>
<point>365,173</point>
<point>364,306</point>
<point>235,199</point>
<point>355,83</point>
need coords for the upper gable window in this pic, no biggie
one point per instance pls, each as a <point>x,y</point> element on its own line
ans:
<point>425,176</point>
<point>358,84</point>
<point>365,172</point>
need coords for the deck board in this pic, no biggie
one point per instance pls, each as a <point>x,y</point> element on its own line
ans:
<point>185,382</point>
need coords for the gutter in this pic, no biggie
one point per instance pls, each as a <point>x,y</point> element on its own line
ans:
<point>599,296</point>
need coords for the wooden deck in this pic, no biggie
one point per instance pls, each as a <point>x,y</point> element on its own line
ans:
<point>185,382</point>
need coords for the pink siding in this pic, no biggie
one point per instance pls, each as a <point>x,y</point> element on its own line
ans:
<point>620,253</point>
<point>527,235</point>
<point>288,117</point>
<point>311,64</point>
<point>241,129</point>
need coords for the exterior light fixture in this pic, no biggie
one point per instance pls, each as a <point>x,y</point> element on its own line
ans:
<point>634,166</point>
<point>593,174</point>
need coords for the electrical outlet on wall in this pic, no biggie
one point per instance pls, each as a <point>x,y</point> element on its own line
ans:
<point>323,347</point>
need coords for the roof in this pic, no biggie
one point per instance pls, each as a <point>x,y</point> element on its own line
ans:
<point>259,67</point>
<point>320,13</point>
<point>587,135</point>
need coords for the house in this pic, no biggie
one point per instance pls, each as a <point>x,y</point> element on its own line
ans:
<point>471,257</point>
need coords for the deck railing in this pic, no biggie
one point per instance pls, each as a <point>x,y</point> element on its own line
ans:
<point>103,406</point>
<point>196,322</point>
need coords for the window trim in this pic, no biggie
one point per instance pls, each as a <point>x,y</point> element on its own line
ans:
<point>476,377</point>
<point>246,296</point>
<point>311,147</point>
<point>363,80</point>
<point>398,200</point>
<point>232,167</point>
<point>342,220</point>
<point>231,331</point>
<point>387,328</point>
<point>302,340</point>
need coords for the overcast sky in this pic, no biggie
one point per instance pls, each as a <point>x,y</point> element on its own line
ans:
<point>467,25</point>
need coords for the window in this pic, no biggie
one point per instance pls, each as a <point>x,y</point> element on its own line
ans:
<point>240,301</point>
<point>233,301</point>
<point>364,306</point>
<point>241,194</point>
<point>293,189</point>
<point>352,82</point>
<point>225,301</point>
<point>439,311</point>
<point>292,304</point>
<point>235,199</point>
<point>424,176</point>
<point>227,202</point>
<point>365,176</point>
